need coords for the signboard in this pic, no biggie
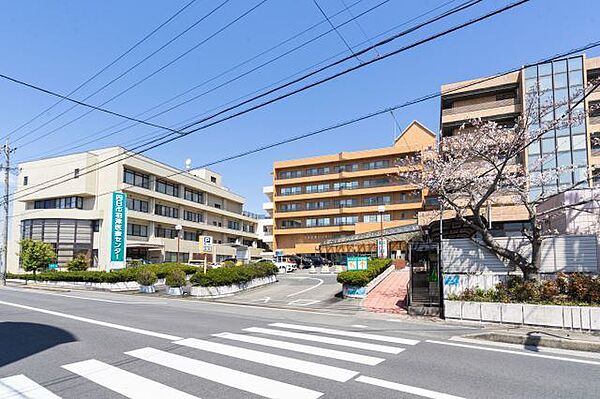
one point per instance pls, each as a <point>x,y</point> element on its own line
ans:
<point>452,279</point>
<point>53,266</point>
<point>382,248</point>
<point>279,252</point>
<point>357,263</point>
<point>206,244</point>
<point>118,232</point>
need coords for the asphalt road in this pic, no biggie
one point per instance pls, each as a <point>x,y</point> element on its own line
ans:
<point>102,345</point>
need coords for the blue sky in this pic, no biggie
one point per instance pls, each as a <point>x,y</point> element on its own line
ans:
<point>59,44</point>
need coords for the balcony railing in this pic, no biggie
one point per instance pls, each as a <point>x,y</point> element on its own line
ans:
<point>480,106</point>
<point>333,206</point>
<point>329,189</point>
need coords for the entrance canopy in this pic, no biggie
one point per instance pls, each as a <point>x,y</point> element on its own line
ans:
<point>368,240</point>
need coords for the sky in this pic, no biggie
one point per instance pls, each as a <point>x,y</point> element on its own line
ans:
<point>60,44</point>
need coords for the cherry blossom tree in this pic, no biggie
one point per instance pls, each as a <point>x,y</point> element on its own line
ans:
<point>482,166</point>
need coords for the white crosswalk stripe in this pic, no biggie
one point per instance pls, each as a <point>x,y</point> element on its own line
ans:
<point>21,387</point>
<point>327,340</point>
<point>343,333</point>
<point>127,384</point>
<point>265,387</point>
<point>269,359</point>
<point>311,350</point>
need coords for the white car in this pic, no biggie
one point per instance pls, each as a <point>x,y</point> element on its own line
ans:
<point>285,267</point>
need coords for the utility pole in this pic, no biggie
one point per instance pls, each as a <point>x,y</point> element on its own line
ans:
<point>6,150</point>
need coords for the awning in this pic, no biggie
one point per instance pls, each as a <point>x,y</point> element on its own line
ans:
<point>401,233</point>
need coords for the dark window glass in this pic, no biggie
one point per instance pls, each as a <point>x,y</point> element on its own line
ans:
<point>168,188</point>
<point>234,225</point>
<point>193,195</point>
<point>165,233</point>
<point>167,211</point>
<point>59,203</point>
<point>137,230</point>
<point>136,178</point>
<point>190,235</point>
<point>134,204</point>
<point>192,216</point>
<point>25,180</point>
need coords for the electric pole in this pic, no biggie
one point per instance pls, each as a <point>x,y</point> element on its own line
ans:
<point>6,150</point>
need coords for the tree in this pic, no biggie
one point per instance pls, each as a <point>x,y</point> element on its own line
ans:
<point>80,263</point>
<point>481,167</point>
<point>36,255</point>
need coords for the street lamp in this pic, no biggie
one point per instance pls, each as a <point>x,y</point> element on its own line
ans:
<point>178,228</point>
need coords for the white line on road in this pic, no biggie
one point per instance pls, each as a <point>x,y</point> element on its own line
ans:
<point>303,302</point>
<point>237,379</point>
<point>406,388</point>
<point>327,340</point>
<point>269,359</point>
<point>127,384</point>
<point>21,387</point>
<point>343,333</point>
<point>96,322</point>
<point>564,359</point>
<point>358,326</point>
<point>35,291</point>
<point>311,350</point>
<point>309,288</point>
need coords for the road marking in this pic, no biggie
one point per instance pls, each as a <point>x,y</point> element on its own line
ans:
<point>358,326</point>
<point>34,291</point>
<point>564,359</point>
<point>96,322</point>
<point>237,379</point>
<point>343,333</point>
<point>269,359</point>
<point>406,388</point>
<point>327,340</point>
<point>309,288</point>
<point>263,300</point>
<point>303,302</point>
<point>311,350</point>
<point>21,387</point>
<point>123,382</point>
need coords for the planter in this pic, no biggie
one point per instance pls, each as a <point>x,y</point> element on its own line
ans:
<point>175,291</point>
<point>147,289</point>
<point>81,285</point>
<point>225,290</point>
<point>354,291</point>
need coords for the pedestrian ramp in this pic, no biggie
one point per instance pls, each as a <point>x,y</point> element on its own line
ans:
<point>336,355</point>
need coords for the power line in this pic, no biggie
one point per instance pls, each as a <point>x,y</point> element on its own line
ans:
<point>110,64</point>
<point>166,139</point>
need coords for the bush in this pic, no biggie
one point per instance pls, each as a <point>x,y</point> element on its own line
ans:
<point>36,255</point>
<point>146,277</point>
<point>175,278</point>
<point>361,278</point>
<point>78,264</point>
<point>233,275</point>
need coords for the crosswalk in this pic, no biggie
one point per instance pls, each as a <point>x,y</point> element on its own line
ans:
<point>333,345</point>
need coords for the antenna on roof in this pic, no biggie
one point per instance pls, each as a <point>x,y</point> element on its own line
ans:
<point>188,164</point>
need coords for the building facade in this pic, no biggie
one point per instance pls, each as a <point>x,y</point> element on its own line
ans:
<point>333,196</point>
<point>167,209</point>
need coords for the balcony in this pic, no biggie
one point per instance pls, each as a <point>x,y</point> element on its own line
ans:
<point>268,190</point>
<point>267,206</point>
<point>481,110</point>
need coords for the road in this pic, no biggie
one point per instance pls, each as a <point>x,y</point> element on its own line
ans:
<point>105,345</point>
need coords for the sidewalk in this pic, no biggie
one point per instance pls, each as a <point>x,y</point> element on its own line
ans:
<point>390,295</point>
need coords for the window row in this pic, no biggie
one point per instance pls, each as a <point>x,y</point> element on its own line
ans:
<point>134,204</point>
<point>348,185</point>
<point>140,179</point>
<point>167,211</point>
<point>336,220</point>
<point>349,202</point>
<point>325,170</point>
<point>59,203</point>
<point>140,230</point>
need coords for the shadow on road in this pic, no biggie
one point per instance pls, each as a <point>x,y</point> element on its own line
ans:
<point>27,339</point>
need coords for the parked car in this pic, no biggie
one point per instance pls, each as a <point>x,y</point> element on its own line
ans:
<point>306,262</point>
<point>318,260</point>
<point>285,266</point>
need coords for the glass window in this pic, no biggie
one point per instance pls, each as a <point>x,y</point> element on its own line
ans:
<point>136,178</point>
<point>193,216</point>
<point>290,224</point>
<point>560,80</point>
<point>575,63</point>
<point>291,190</point>
<point>138,230</point>
<point>544,69</point>
<point>560,66</point>
<point>165,187</point>
<point>579,142</point>
<point>548,146</point>
<point>531,72</point>
<point>233,224</point>
<point>193,195</point>
<point>578,128</point>
<point>134,204</point>
<point>533,162</point>
<point>545,83</point>
<point>530,86</point>
<point>167,211</point>
<point>580,157</point>
<point>563,144</point>
<point>563,159</point>
<point>575,78</point>
<point>534,148</point>
<point>562,131</point>
<point>377,218</point>
<point>165,233</point>
<point>190,235</point>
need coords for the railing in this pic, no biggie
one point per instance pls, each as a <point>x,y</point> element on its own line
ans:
<point>409,201</point>
<point>334,171</point>
<point>480,106</point>
<point>251,215</point>
<point>304,191</point>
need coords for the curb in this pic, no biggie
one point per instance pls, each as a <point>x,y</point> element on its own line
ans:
<point>536,340</point>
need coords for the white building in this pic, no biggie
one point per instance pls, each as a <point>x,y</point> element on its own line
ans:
<point>163,203</point>
<point>265,225</point>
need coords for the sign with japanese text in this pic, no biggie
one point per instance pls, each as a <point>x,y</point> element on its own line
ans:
<point>382,248</point>
<point>118,232</point>
<point>206,244</point>
<point>357,263</point>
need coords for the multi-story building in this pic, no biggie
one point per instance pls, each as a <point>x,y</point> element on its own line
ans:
<point>332,196</point>
<point>265,224</point>
<point>167,209</point>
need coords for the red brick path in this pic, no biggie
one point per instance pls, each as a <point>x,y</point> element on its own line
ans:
<point>390,295</point>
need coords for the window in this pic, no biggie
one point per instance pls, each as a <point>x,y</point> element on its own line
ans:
<point>346,203</point>
<point>317,188</point>
<point>248,228</point>
<point>193,195</point>
<point>318,171</point>
<point>165,233</point>
<point>231,240</point>
<point>137,230</point>
<point>377,218</point>
<point>353,167</point>
<point>213,179</point>
<point>345,220</point>
<point>165,187</point>
<point>218,206</point>
<point>167,211</point>
<point>290,224</point>
<point>290,174</point>
<point>136,178</point>
<point>318,205</point>
<point>290,207</point>
<point>137,205</point>
<point>190,235</point>
<point>376,164</point>
<point>347,185</point>
<point>248,243</point>
<point>193,216</point>
<point>317,222</point>
<point>96,226</point>
<point>59,203</point>
<point>377,200</point>
<point>376,182</point>
<point>291,190</point>
<point>25,180</point>
<point>233,224</point>
<point>76,173</point>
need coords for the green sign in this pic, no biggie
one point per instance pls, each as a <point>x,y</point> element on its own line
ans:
<point>118,232</point>
<point>357,263</point>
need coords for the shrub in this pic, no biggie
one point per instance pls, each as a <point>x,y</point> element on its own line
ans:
<point>78,264</point>
<point>361,278</point>
<point>228,263</point>
<point>146,277</point>
<point>175,278</point>
<point>233,275</point>
<point>36,255</point>
<point>579,287</point>
<point>549,290</point>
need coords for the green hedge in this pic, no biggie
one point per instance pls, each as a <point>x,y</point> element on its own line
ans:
<point>233,275</point>
<point>116,276</point>
<point>361,278</point>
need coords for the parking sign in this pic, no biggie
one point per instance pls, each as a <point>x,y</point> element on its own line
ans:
<point>206,243</point>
